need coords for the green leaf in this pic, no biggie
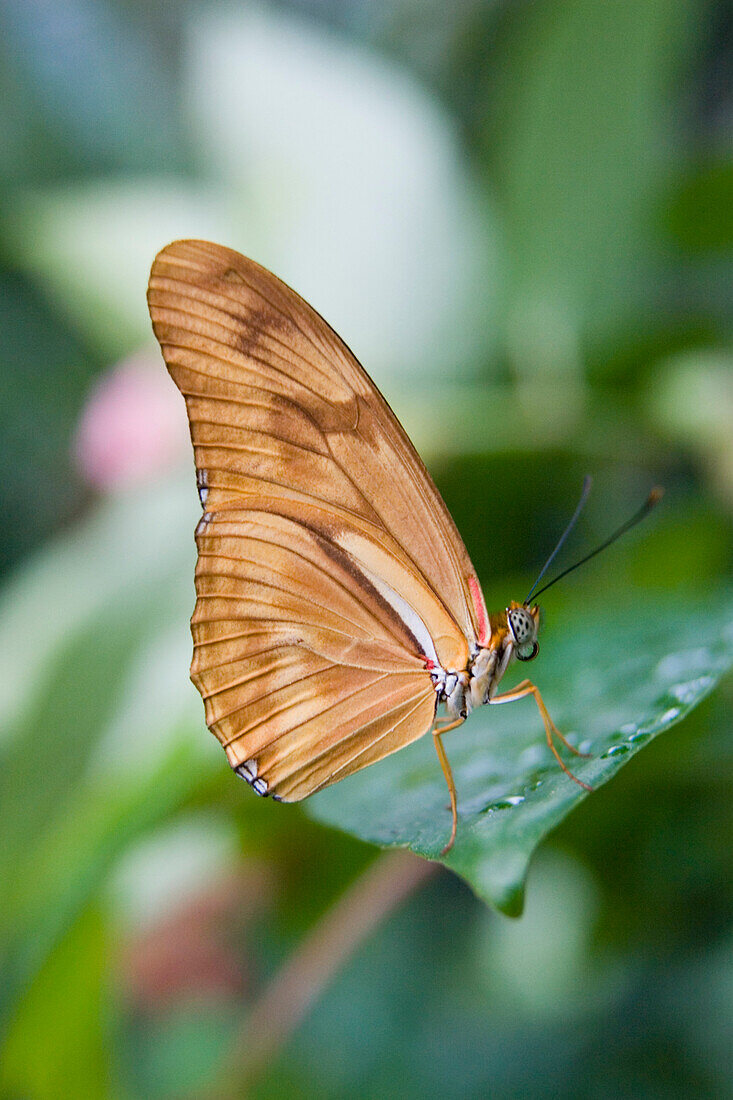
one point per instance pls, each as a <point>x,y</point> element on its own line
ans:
<point>65,1007</point>
<point>612,681</point>
<point>42,764</point>
<point>46,370</point>
<point>68,864</point>
<point>584,100</point>
<point>700,214</point>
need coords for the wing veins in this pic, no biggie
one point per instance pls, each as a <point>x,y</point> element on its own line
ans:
<point>257,450</point>
<point>260,674</point>
<point>292,351</point>
<point>286,707</point>
<point>229,361</point>
<point>285,591</point>
<point>330,778</point>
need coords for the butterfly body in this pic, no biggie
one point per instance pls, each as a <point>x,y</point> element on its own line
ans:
<point>337,607</point>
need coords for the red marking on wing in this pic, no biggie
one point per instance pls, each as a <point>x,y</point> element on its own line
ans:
<point>484,629</point>
<point>429,664</point>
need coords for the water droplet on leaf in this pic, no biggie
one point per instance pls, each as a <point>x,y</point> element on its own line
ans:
<point>615,750</point>
<point>505,803</point>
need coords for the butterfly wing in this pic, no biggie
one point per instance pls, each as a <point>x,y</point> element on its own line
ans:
<point>306,673</point>
<point>317,512</point>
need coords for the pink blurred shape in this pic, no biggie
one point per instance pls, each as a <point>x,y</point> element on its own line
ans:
<point>133,426</point>
<point>202,948</point>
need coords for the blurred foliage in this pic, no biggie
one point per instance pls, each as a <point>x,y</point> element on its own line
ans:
<point>518,214</point>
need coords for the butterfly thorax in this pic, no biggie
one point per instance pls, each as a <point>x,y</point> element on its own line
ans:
<point>512,631</point>
<point>464,690</point>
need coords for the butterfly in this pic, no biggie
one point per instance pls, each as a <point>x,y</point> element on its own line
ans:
<point>337,608</point>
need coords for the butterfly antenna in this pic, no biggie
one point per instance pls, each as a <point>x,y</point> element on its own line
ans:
<point>654,497</point>
<point>587,483</point>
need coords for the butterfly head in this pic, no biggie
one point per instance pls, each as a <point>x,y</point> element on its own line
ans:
<point>523,622</point>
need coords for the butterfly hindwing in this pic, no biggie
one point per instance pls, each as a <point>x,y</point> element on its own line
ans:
<point>300,675</point>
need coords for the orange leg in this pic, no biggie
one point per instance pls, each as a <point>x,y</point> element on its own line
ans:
<point>528,688</point>
<point>437,733</point>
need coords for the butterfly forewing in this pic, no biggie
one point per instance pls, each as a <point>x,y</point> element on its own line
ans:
<point>330,573</point>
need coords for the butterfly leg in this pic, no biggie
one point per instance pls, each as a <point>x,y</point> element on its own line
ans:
<point>528,688</point>
<point>437,733</point>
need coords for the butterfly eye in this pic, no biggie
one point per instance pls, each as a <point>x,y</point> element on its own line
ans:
<point>524,656</point>
<point>522,626</point>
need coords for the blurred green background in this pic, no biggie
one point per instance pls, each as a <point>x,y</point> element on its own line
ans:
<point>520,216</point>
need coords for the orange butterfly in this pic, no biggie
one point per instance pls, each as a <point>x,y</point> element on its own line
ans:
<point>337,606</point>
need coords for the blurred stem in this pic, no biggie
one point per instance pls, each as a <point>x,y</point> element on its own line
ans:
<point>381,889</point>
